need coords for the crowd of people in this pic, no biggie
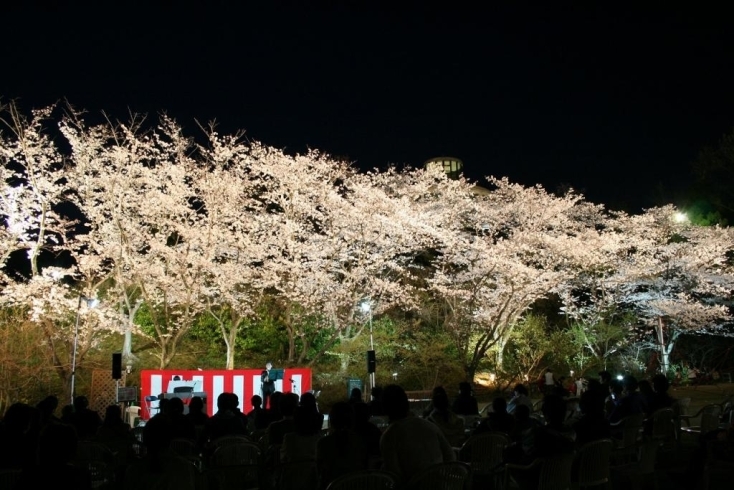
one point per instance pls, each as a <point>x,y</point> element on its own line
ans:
<point>291,428</point>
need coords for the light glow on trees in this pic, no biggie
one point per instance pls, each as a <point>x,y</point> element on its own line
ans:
<point>185,228</point>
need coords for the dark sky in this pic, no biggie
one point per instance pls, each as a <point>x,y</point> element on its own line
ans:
<point>611,100</point>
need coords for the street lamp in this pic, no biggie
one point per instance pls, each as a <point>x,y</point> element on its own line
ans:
<point>91,303</point>
<point>367,308</point>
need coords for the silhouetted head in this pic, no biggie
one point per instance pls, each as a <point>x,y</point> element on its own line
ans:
<point>288,404</point>
<point>630,383</point>
<point>81,402</point>
<point>224,401</point>
<point>341,416</point>
<point>395,402</point>
<point>175,406</point>
<point>660,383</point>
<point>437,390</point>
<point>308,400</point>
<point>520,389</point>
<point>465,388</point>
<point>355,394</point>
<point>591,403</point>
<point>554,409</point>
<point>256,401</point>
<point>441,401</point>
<point>196,404</point>
<point>499,405</point>
<point>112,413</point>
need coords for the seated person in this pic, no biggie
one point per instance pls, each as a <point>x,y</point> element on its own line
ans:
<point>520,396</point>
<point>632,401</point>
<point>592,425</point>
<point>410,443</point>
<point>300,445</point>
<point>498,420</point>
<point>451,425</point>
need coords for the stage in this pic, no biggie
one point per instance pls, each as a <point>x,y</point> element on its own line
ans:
<point>211,383</point>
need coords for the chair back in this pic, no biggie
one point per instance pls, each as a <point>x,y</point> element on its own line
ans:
<point>680,408</point>
<point>243,453</point>
<point>102,474</point>
<point>453,475</point>
<point>647,455</point>
<point>593,463</point>
<point>94,451</point>
<point>709,421</point>
<point>664,426</point>
<point>364,480</point>
<point>228,440</point>
<point>631,427</point>
<point>555,472</point>
<point>484,451</point>
<point>9,477</point>
<point>235,477</point>
<point>727,411</point>
<point>186,448</point>
<point>295,475</point>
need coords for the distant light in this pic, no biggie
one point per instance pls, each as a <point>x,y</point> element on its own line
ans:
<point>680,217</point>
<point>620,377</point>
<point>365,306</point>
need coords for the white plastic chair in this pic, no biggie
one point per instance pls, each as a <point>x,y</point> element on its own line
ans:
<point>131,413</point>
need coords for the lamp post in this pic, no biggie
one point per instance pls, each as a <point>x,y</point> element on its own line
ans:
<point>367,308</point>
<point>91,303</point>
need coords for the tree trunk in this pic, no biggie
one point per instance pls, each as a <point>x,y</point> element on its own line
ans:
<point>664,354</point>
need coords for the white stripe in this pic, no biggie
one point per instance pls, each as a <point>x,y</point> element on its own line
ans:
<point>156,383</point>
<point>199,382</point>
<point>257,388</point>
<point>238,388</point>
<point>296,383</point>
<point>217,388</point>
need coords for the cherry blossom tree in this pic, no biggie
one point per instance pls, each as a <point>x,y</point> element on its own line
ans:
<point>33,187</point>
<point>134,188</point>
<point>678,276</point>
<point>497,253</point>
<point>34,192</point>
<point>333,241</point>
<point>237,276</point>
<point>673,275</point>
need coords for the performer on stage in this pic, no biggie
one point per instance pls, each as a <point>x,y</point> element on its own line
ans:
<point>267,386</point>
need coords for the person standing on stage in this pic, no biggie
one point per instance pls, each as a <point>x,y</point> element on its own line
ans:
<point>267,386</point>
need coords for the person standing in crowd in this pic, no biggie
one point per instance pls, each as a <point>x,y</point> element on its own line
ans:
<point>465,403</point>
<point>550,382</point>
<point>267,384</point>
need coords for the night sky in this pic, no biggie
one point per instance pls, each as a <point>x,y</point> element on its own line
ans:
<point>613,101</point>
